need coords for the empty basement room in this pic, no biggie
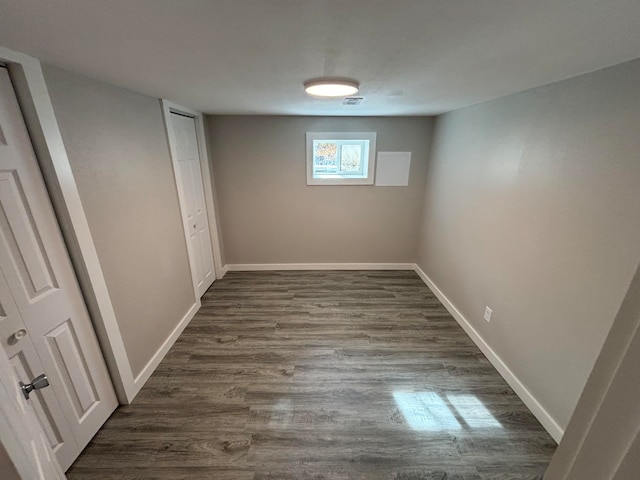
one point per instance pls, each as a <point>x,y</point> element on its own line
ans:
<point>320,239</point>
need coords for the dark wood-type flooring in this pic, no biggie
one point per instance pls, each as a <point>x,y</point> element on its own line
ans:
<point>321,375</point>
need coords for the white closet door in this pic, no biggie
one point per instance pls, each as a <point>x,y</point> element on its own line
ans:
<point>44,324</point>
<point>186,158</point>
<point>22,438</point>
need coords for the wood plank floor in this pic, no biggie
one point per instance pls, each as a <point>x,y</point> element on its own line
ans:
<point>321,375</point>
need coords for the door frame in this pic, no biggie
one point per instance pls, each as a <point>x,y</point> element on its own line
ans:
<point>33,96</point>
<point>168,108</point>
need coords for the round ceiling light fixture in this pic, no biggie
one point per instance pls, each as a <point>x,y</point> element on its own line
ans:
<point>331,87</point>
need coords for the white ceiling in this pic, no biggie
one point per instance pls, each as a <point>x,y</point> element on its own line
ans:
<point>412,57</point>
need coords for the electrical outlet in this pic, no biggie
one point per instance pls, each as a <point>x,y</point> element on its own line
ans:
<point>487,314</point>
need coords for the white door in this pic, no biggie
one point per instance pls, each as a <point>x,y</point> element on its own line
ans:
<point>44,324</point>
<point>23,442</point>
<point>186,158</point>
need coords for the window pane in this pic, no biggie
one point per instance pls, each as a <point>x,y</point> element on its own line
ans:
<point>351,159</point>
<point>340,158</point>
<point>325,157</point>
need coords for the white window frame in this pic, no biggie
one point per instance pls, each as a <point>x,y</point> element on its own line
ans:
<point>339,180</point>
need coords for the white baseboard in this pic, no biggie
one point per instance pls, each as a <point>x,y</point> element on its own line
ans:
<point>224,271</point>
<point>150,367</point>
<point>249,267</point>
<point>525,395</point>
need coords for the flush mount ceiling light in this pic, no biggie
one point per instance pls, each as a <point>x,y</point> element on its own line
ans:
<point>331,87</point>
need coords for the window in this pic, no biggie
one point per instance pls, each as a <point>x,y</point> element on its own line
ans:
<point>340,158</point>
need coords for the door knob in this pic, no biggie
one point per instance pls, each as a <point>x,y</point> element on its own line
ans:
<point>37,383</point>
<point>19,335</point>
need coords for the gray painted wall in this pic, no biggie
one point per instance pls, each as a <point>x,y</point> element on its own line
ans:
<point>120,159</point>
<point>532,207</point>
<point>269,214</point>
<point>602,441</point>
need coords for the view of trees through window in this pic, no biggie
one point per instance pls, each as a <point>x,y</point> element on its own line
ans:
<point>341,157</point>
<point>350,158</point>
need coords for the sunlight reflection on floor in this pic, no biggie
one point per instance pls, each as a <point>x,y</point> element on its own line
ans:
<point>428,411</point>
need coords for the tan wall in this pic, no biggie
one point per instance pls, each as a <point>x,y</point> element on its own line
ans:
<point>120,159</point>
<point>533,208</point>
<point>270,215</point>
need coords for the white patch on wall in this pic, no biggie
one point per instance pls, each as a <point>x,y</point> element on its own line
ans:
<point>392,169</point>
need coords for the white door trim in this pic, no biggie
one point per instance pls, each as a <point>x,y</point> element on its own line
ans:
<point>167,108</point>
<point>42,124</point>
